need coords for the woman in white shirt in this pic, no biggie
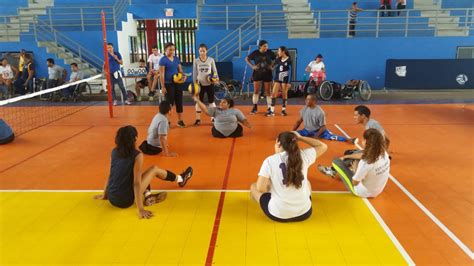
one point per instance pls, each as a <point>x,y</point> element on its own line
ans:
<point>282,188</point>
<point>372,171</point>
<point>317,72</point>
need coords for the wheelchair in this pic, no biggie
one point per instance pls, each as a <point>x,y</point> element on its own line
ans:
<point>355,87</point>
<point>318,84</point>
<point>230,89</point>
<point>327,90</point>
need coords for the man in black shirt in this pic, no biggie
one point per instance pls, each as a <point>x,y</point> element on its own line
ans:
<point>262,66</point>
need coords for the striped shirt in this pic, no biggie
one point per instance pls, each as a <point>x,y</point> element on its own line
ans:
<point>353,14</point>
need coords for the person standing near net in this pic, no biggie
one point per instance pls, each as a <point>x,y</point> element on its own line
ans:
<point>204,73</point>
<point>282,80</point>
<point>7,75</point>
<point>262,66</point>
<point>128,183</point>
<point>169,66</point>
<point>24,84</point>
<point>115,60</point>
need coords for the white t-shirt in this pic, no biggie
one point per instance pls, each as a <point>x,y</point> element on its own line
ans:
<point>372,177</point>
<point>287,201</point>
<point>6,72</point>
<point>316,66</point>
<point>155,60</point>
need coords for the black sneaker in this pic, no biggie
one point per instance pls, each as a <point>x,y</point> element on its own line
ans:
<point>181,124</point>
<point>197,123</point>
<point>186,175</point>
<point>283,113</point>
<point>254,110</point>
<point>151,93</point>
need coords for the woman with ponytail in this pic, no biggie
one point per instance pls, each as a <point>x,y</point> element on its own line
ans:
<point>282,188</point>
<point>127,184</point>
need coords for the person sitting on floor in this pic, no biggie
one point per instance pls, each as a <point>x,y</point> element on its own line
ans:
<point>282,188</point>
<point>127,183</point>
<point>314,120</point>
<point>365,177</point>
<point>226,118</point>
<point>6,133</point>
<point>157,139</point>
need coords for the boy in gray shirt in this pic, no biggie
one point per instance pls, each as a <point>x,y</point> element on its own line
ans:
<point>157,139</point>
<point>314,120</point>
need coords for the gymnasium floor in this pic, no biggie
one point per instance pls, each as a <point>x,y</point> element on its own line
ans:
<point>49,175</point>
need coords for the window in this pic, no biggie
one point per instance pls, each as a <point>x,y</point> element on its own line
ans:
<point>137,44</point>
<point>181,32</point>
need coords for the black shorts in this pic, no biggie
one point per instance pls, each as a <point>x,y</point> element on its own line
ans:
<point>209,90</point>
<point>143,82</point>
<point>265,199</point>
<point>122,200</point>
<point>149,149</point>
<point>285,80</point>
<point>238,132</point>
<point>265,76</point>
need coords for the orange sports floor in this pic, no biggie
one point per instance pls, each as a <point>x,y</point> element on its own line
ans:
<point>430,211</point>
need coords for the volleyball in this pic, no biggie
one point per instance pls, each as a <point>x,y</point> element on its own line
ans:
<point>179,78</point>
<point>212,78</point>
<point>194,89</point>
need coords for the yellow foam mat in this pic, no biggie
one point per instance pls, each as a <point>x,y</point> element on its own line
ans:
<point>46,228</point>
<point>342,230</point>
<point>57,228</point>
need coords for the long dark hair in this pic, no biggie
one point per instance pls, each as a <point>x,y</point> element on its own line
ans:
<point>125,141</point>
<point>285,50</point>
<point>374,145</point>
<point>294,174</point>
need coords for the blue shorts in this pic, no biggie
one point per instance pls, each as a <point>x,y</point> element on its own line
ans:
<point>325,135</point>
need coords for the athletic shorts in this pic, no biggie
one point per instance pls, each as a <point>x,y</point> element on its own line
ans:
<point>122,200</point>
<point>143,82</point>
<point>149,149</point>
<point>282,77</point>
<point>265,76</point>
<point>265,199</point>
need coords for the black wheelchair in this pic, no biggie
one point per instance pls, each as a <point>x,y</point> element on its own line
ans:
<point>327,90</point>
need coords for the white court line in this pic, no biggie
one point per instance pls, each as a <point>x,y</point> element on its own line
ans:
<point>181,190</point>
<point>389,232</point>
<point>428,213</point>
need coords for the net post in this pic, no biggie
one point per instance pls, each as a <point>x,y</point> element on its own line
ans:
<point>106,65</point>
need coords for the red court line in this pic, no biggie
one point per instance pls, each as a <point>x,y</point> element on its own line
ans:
<point>49,148</point>
<point>217,220</point>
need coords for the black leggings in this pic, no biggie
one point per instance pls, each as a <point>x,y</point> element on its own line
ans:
<point>174,95</point>
<point>239,132</point>
<point>265,199</point>
<point>209,90</point>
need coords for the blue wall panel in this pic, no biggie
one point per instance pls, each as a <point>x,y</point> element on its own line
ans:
<point>363,58</point>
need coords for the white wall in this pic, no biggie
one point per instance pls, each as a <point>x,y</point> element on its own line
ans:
<point>129,28</point>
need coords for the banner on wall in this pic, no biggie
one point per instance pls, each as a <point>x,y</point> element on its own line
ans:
<point>429,74</point>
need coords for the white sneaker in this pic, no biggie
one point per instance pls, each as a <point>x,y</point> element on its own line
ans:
<point>127,102</point>
<point>115,102</point>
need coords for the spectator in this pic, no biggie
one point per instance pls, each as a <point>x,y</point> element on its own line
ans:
<point>24,84</point>
<point>76,75</point>
<point>6,133</point>
<point>21,61</point>
<point>385,5</point>
<point>154,74</point>
<point>317,72</point>
<point>56,74</point>
<point>115,60</point>
<point>142,83</point>
<point>401,4</point>
<point>353,19</point>
<point>7,75</point>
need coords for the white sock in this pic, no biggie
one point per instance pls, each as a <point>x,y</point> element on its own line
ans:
<point>179,179</point>
<point>212,105</point>
<point>255,99</point>
<point>272,108</point>
<point>269,101</point>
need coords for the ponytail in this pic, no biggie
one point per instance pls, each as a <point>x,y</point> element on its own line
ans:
<point>294,172</point>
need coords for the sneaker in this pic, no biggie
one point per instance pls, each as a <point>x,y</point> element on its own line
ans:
<point>150,98</point>
<point>326,170</point>
<point>197,123</point>
<point>254,110</point>
<point>151,93</point>
<point>115,102</point>
<point>127,102</point>
<point>186,175</point>
<point>283,113</point>
<point>181,124</point>
<point>212,120</point>
<point>270,113</point>
<point>139,98</point>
